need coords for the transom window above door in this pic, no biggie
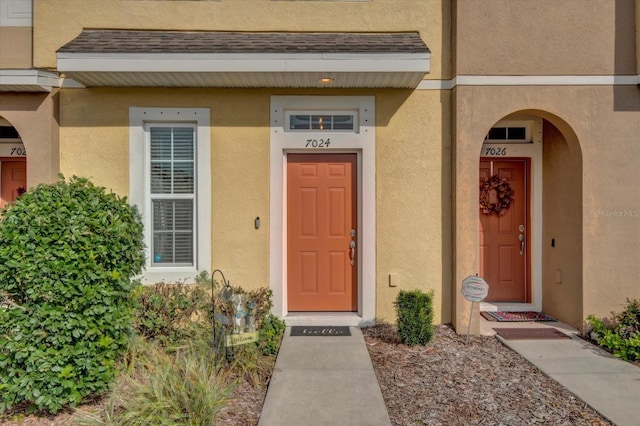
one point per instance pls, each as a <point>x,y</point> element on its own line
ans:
<point>510,132</point>
<point>321,121</point>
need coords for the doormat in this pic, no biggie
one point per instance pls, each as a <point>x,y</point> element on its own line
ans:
<point>320,330</point>
<point>516,316</point>
<point>530,333</point>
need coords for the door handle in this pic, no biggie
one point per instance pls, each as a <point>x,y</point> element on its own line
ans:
<point>521,238</point>
<point>352,246</point>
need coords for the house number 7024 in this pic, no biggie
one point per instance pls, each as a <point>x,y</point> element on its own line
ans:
<point>496,151</point>
<point>318,143</point>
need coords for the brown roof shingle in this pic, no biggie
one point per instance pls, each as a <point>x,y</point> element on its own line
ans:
<point>141,41</point>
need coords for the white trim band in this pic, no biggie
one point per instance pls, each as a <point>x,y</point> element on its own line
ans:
<point>530,80</point>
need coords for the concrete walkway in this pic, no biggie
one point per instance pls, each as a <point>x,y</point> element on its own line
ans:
<point>324,381</point>
<point>609,385</point>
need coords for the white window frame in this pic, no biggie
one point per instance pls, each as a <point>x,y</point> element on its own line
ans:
<point>332,113</point>
<point>513,124</point>
<point>139,185</point>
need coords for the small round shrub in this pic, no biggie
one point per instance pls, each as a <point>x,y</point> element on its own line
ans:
<point>68,252</point>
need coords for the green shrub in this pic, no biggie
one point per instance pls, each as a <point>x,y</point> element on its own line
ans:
<point>164,311</point>
<point>414,310</point>
<point>271,335</point>
<point>621,336</point>
<point>68,251</point>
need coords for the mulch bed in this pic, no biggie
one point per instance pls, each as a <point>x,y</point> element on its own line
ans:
<point>449,382</point>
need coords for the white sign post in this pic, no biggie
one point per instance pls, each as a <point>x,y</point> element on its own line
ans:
<point>474,289</point>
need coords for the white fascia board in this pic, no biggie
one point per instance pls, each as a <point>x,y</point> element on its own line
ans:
<point>30,77</point>
<point>188,62</point>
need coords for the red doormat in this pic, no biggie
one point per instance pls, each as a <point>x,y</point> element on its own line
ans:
<point>516,316</point>
<point>530,333</point>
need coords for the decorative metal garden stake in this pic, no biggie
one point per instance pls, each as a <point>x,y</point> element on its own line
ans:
<point>225,294</point>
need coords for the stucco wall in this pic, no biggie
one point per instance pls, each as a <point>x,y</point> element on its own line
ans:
<point>430,18</point>
<point>607,135</point>
<point>95,143</point>
<point>413,177</point>
<point>15,47</point>
<point>34,116</point>
<point>562,228</point>
<point>545,37</point>
<point>413,199</point>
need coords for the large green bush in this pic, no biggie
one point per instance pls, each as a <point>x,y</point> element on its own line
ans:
<point>68,251</point>
<point>415,317</point>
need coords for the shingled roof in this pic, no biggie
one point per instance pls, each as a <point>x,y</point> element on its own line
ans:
<point>138,41</point>
<point>118,58</point>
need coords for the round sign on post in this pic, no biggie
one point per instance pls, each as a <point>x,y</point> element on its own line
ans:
<point>474,289</point>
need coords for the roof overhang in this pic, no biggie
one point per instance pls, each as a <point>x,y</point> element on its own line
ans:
<point>28,80</point>
<point>358,67</point>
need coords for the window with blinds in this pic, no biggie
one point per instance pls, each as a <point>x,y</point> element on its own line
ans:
<point>172,193</point>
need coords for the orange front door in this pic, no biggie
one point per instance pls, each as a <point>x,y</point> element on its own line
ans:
<point>504,247</point>
<point>14,180</point>
<point>321,232</point>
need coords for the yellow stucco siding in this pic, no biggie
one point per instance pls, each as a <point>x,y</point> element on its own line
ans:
<point>413,172</point>
<point>412,177</point>
<point>95,143</point>
<point>430,18</point>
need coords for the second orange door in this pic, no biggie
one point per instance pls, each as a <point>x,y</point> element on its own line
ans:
<point>321,232</point>
<point>504,240</point>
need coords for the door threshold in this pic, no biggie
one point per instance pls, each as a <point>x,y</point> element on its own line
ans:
<point>350,319</point>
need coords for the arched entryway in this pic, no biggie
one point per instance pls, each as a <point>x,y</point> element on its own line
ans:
<point>550,164</point>
<point>530,218</point>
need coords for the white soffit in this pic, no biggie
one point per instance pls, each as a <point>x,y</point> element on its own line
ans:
<point>258,70</point>
<point>28,80</point>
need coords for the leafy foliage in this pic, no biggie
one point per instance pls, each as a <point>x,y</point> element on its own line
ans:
<point>164,309</point>
<point>415,317</point>
<point>172,376</point>
<point>68,251</point>
<point>166,388</point>
<point>621,335</point>
<point>271,334</point>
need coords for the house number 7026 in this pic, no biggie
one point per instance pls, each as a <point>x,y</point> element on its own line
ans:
<point>318,143</point>
<point>496,151</point>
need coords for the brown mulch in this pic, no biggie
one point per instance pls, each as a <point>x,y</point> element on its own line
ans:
<point>447,382</point>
